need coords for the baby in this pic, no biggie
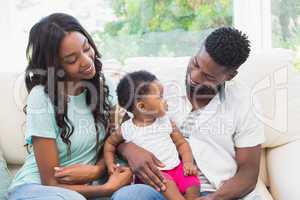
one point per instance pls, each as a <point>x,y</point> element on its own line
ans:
<point>142,94</point>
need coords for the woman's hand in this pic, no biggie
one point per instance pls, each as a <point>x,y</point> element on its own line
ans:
<point>111,168</point>
<point>77,174</point>
<point>144,164</point>
<point>120,177</point>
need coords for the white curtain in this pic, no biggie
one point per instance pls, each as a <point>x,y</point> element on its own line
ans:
<point>254,18</point>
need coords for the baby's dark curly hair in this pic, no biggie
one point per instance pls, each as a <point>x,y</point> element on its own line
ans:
<point>133,85</point>
<point>228,47</point>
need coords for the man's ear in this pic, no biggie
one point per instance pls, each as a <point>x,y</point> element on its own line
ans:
<point>231,75</point>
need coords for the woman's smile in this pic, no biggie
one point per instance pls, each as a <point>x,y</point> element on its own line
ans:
<point>88,70</point>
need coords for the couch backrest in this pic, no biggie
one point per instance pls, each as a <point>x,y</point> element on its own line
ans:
<point>12,117</point>
<point>274,65</point>
<point>273,78</point>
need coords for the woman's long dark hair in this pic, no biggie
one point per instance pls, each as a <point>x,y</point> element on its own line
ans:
<point>44,68</point>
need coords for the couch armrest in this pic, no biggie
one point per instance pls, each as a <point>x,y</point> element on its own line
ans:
<point>283,165</point>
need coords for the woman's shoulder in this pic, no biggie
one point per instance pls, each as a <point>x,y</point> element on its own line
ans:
<point>36,91</point>
<point>37,96</point>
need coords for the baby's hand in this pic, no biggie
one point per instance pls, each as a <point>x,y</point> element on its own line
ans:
<point>190,169</point>
<point>112,168</point>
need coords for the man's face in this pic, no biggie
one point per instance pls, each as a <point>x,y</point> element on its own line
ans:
<point>204,76</point>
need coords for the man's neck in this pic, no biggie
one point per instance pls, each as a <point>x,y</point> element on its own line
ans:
<point>198,104</point>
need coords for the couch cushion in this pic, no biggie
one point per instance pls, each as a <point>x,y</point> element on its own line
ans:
<point>284,173</point>
<point>274,80</point>
<point>263,172</point>
<point>263,191</point>
<point>12,117</point>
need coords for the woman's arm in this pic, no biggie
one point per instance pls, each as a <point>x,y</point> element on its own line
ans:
<point>46,155</point>
<point>80,173</point>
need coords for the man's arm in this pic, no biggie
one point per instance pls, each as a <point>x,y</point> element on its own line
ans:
<point>244,181</point>
<point>143,164</point>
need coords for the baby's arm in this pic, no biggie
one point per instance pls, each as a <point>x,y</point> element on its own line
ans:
<point>110,148</point>
<point>184,151</point>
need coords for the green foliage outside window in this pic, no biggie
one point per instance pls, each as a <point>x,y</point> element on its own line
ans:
<point>161,27</point>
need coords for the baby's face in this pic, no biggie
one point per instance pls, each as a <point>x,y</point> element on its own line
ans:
<point>154,102</point>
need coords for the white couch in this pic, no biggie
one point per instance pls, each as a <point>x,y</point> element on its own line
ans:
<point>271,76</point>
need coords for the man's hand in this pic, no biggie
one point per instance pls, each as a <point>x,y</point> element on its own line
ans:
<point>143,164</point>
<point>76,174</point>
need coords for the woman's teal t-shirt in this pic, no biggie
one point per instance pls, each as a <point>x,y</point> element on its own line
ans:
<point>40,121</point>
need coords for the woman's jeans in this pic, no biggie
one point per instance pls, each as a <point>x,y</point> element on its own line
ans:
<point>41,192</point>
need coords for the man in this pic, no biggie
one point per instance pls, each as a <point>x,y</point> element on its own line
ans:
<point>224,134</point>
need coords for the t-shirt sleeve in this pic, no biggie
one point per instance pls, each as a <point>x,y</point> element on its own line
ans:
<point>112,91</point>
<point>250,130</point>
<point>127,131</point>
<point>40,117</point>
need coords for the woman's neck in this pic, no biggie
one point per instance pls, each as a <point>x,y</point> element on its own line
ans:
<point>73,88</point>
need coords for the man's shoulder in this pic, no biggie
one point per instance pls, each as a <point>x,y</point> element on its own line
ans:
<point>238,94</point>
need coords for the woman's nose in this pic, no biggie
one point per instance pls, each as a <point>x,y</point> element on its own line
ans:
<point>85,60</point>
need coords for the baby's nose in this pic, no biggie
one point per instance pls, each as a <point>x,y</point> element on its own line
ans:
<point>166,105</point>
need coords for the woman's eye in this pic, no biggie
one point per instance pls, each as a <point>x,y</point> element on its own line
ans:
<point>71,61</point>
<point>87,49</point>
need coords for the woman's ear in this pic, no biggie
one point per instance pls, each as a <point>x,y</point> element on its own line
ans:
<point>231,75</point>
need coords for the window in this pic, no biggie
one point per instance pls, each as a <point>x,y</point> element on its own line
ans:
<point>286,25</point>
<point>124,29</point>
<point>161,28</point>
<point>146,28</point>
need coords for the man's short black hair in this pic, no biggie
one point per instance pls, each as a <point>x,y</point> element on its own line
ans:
<point>228,47</point>
<point>131,86</point>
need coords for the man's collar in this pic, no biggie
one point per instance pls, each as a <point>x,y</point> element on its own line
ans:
<point>221,92</point>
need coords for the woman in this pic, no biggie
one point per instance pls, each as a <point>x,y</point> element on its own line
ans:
<point>67,115</point>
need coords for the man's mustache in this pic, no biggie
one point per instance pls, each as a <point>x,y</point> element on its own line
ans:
<point>200,90</point>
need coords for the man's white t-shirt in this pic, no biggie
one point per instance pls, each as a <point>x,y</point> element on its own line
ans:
<point>226,123</point>
<point>155,138</point>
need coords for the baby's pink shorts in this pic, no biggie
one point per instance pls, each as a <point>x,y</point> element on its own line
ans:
<point>183,182</point>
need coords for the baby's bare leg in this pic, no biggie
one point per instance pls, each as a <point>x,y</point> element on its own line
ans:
<point>172,192</point>
<point>192,193</point>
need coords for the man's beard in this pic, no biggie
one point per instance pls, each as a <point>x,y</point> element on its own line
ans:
<point>200,91</point>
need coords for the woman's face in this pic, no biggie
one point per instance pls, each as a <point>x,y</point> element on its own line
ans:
<point>77,57</point>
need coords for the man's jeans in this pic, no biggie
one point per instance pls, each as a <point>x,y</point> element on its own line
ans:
<point>140,192</point>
